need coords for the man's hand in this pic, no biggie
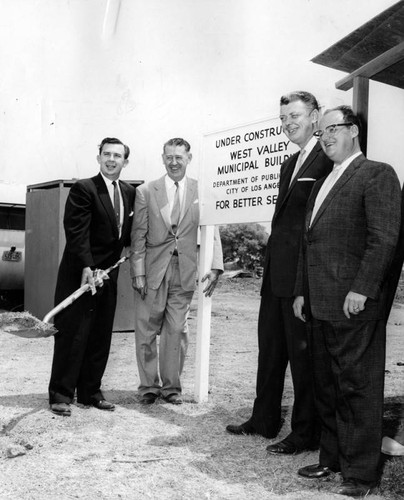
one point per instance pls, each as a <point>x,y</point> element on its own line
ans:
<point>354,303</point>
<point>88,278</point>
<point>99,275</point>
<point>213,277</point>
<point>139,284</point>
<point>298,305</point>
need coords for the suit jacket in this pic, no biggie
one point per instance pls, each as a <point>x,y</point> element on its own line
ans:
<point>92,236</point>
<point>396,267</point>
<point>351,242</point>
<point>153,240</point>
<point>288,221</point>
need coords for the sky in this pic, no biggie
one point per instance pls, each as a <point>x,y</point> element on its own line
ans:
<point>170,68</point>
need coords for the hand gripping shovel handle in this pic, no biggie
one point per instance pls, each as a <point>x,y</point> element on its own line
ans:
<point>78,293</point>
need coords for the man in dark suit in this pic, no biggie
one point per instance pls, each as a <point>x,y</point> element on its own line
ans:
<point>281,337</point>
<point>351,231</point>
<point>97,224</point>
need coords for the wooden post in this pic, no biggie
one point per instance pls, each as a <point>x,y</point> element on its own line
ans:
<point>204,317</point>
<point>360,105</point>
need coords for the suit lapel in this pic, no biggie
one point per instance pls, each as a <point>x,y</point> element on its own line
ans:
<point>311,201</point>
<point>306,164</point>
<point>162,201</point>
<point>106,201</point>
<point>189,197</point>
<point>126,208</point>
<point>345,177</point>
<point>287,186</point>
<point>284,185</point>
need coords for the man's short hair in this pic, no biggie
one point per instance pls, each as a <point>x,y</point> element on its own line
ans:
<point>348,115</point>
<point>177,141</point>
<point>300,95</point>
<point>114,140</point>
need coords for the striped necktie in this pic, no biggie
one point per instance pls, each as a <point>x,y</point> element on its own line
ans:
<point>175,212</point>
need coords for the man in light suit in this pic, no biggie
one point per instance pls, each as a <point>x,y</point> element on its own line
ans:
<point>163,269</point>
<point>351,231</point>
<point>281,337</point>
<point>97,224</point>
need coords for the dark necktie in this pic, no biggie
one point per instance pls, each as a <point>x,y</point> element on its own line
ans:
<point>175,213</point>
<point>117,204</point>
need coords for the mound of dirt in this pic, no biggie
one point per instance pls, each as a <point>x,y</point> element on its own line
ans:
<point>23,324</point>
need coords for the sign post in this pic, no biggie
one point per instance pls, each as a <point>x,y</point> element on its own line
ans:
<point>204,316</point>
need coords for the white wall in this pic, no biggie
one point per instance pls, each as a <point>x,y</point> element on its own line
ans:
<point>386,126</point>
<point>172,68</point>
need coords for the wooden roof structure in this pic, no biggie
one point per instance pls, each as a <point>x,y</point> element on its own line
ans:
<point>374,51</point>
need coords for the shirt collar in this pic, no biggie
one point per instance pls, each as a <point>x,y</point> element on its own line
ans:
<point>170,183</point>
<point>107,181</point>
<point>345,163</point>
<point>308,148</point>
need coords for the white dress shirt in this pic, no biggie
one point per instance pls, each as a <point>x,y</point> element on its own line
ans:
<point>171,188</point>
<point>329,182</point>
<point>110,188</point>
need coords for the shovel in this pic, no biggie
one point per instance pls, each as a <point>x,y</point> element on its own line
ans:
<point>23,324</point>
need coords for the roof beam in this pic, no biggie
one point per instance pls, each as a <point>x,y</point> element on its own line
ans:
<point>374,66</point>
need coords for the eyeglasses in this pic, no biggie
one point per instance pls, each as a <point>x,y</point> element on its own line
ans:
<point>331,130</point>
<point>294,116</point>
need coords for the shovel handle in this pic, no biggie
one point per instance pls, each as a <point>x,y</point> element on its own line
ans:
<point>78,293</point>
<point>66,302</point>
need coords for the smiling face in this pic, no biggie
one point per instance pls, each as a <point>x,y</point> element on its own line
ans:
<point>112,160</point>
<point>298,122</point>
<point>343,143</point>
<point>176,159</point>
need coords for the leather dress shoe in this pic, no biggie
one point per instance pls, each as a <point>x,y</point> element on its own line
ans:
<point>245,429</point>
<point>174,399</point>
<point>315,471</point>
<point>284,447</point>
<point>354,488</point>
<point>103,405</point>
<point>148,399</point>
<point>62,409</point>
<point>288,447</point>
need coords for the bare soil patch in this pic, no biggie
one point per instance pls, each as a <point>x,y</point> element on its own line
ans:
<point>164,451</point>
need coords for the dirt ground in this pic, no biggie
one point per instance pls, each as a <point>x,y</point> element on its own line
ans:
<point>162,451</point>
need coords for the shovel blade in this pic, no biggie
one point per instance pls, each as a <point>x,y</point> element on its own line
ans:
<point>23,324</point>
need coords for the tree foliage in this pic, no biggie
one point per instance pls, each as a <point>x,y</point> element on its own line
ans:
<point>245,243</point>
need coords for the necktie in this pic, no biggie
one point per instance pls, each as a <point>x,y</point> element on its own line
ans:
<point>117,204</point>
<point>175,212</point>
<point>299,163</point>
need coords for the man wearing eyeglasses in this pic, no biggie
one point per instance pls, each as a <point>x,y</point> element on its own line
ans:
<point>281,337</point>
<point>351,231</point>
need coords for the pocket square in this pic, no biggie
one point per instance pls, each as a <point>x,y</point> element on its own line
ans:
<point>130,215</point>
<point>306,179</point>
<point>196,201</point>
